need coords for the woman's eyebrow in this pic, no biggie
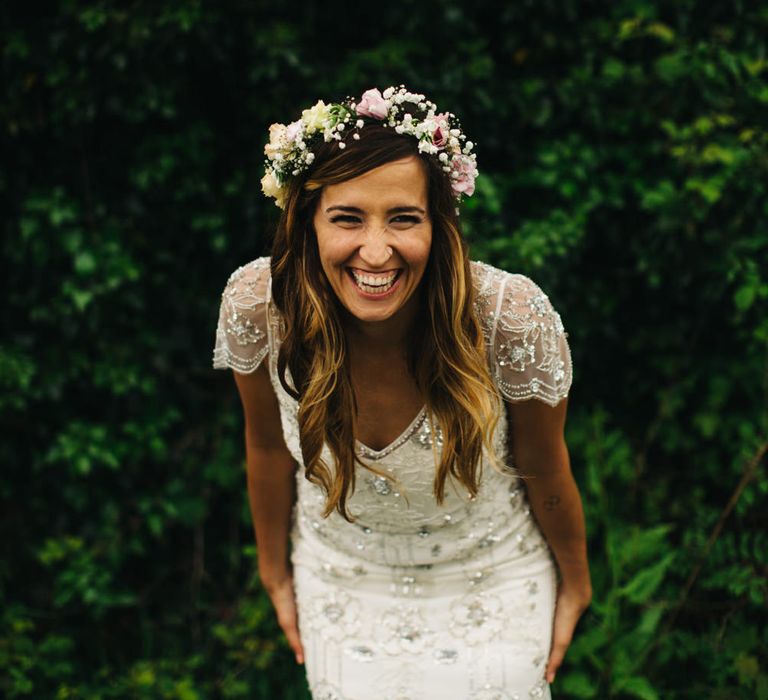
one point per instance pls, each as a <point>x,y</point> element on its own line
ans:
<point>393,210</point>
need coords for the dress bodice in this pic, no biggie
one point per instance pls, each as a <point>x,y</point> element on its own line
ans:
<point>398,520</point>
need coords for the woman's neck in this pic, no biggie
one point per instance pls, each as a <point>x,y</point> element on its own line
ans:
<point>389,337</point>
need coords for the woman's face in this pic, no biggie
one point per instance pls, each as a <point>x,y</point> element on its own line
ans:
<point>374,237</point>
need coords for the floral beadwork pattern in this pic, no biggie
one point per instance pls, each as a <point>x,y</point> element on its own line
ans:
<point>477,618</point>
<point>530,355</point>
<point>335,616</point>
<point>241,332</point>
<point>403,630</point>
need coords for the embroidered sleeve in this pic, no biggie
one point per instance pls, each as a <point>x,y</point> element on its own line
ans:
<point>530,356</point>
<point>241,332</point>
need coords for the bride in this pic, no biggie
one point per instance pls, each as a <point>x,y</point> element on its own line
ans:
<point>419,531</point>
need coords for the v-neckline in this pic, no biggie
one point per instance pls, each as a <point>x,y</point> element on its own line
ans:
<point>364,450</point>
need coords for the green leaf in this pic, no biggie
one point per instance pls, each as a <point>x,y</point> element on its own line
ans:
<point>644,584</point>
<point>745,296</point>
<point>614,69</point>
<point>650,619</point>
<point>85,262</point>
<point>672,66</point>
<point>761,690</point>
<point>709,188</point>
<point>81,297</point>
<point>747,668</point>
<point>641,546</point>
<point>579,685</point>
<point>637,687</point>
<point>661,31</point>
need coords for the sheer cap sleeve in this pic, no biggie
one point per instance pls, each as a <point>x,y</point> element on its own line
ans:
<point>528,346</point>
<point>242,339</point>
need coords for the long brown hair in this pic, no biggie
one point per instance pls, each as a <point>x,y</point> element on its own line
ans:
<point>447,357</point>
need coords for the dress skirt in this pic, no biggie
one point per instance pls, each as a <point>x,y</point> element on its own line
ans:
<point>458,630</point>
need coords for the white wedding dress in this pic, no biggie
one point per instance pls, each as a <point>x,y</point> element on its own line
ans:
<point>415,601</point>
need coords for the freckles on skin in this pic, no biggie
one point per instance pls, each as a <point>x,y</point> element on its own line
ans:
<point>376,225</point>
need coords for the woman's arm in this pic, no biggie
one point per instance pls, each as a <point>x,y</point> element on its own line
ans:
<point>271,495</point>
<point>541,453</point>
<point>537,432</point>
<point>270,473</point>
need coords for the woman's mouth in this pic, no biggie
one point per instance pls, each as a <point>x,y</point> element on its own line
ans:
<point>374,284</point>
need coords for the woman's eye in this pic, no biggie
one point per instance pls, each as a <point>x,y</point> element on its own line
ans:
<point>403,219</point>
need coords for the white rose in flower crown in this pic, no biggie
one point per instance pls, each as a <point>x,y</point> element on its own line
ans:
<point>276,132</point>
<point>270,188</point>
<point>279,144</point>
<point>293,130</point>
<point>313,118</point>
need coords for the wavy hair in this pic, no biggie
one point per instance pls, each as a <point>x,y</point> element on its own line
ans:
<point>447,357</point>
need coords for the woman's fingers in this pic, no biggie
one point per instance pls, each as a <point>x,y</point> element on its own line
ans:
<point>291,630</point>
<point>567,613</point>
<point>284,602</point>
<point>560,644</point>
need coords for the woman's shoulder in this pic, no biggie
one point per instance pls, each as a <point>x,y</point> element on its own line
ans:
<point>492,285</point>
<point>527,340</point>
<point>241,332</point>
<point>255,272</point>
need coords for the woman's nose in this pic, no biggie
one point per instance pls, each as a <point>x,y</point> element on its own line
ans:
<point>375,251</point>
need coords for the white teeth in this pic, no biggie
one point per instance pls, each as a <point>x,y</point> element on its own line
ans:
<point>374,280</point>
<point>374,284</point>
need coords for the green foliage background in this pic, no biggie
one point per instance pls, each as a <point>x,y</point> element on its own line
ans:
<point>624,160</point>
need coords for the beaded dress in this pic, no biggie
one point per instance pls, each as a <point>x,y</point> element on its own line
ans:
<point>416,601</point>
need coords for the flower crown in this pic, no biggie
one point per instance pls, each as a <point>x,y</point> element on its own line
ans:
<point>289,151</point>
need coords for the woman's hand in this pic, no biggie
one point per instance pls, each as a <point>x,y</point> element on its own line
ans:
<point>571,603</point>
<point>281,593</point>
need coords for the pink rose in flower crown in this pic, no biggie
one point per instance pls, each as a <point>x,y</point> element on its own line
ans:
<point>463,175</point>
<point>372,104</point>
<point>440,135</point>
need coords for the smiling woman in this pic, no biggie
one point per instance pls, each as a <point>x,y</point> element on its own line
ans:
<point>331,323</point>
<point>406,434</point>
<point>375,260</point>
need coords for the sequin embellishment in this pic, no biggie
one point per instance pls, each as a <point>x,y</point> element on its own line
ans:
<point>477,618</point>
<point>404,630</point>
